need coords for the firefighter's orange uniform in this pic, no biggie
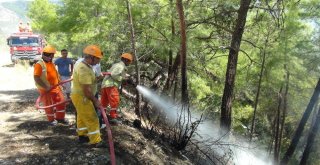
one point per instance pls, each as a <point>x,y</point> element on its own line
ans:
<point>110,84</point>
<point>50,77</point>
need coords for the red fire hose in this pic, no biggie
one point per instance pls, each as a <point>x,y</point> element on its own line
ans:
<point>53,105</point>
<point>109,135</point>
<point>108,128</point>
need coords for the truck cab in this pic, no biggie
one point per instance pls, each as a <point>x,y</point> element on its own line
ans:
<point>25,46</point>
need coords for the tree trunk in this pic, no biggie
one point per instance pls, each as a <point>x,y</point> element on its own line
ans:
<point>303,121</point>
<point>173,66</point>
<point>170,63</point>
<point>173,74</point>
<point>136,59</point>
<point>258,92</point>
<point>285,105</point>
<point>183,54</point>
<point>311,137</point>
<point>273,134</point>
<point>226,105</point>
<point>277,129</point>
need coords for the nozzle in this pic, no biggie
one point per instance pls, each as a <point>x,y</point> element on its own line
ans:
<point>131,82</point>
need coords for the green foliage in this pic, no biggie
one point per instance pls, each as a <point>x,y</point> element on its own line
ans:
<point>43,15</point>
<point>286,37</point>
<point>242,119</point>
<point>199,87</point>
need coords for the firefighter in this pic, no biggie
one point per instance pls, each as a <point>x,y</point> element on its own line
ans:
<point>97,70</point>
<point>111,83</point>
<point>21,27</point>
<point>83,89</point>
<point>45,77</point>
<point>28,28</point>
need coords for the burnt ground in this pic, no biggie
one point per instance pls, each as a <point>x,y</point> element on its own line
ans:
<point>26,137</point>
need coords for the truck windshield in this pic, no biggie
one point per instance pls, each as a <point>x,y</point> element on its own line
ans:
<point>24,41</point>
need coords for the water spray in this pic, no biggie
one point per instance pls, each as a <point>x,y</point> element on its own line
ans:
<point>159,102</point>
<point>206,131</point>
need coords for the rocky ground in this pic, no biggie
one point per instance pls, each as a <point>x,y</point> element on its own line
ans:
<point>26,137</point>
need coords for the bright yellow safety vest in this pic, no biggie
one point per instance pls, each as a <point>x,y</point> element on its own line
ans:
<point>43,76</point>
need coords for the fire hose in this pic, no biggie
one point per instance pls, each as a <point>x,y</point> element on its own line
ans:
<point>108,128</point>
<point>53,105</point>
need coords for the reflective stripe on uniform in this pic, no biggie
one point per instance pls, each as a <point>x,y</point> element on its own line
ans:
<point>95,132</point>
<point>61,111</point>
<point>83,128</point>
<point>50,114</point>
<point>86,118</point>
<point>113,108</point>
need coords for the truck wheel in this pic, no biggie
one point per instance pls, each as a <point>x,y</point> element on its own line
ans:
<point>13,61</point>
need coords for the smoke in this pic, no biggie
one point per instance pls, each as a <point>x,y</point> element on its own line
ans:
<point>209,135</point>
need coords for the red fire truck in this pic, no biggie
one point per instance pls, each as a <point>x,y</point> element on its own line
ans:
<point>25,46</point>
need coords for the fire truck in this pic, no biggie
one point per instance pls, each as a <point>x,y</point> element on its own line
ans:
<point>25,46</point>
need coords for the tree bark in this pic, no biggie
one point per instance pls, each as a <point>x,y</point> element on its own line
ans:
<point>277,129</point>
<point>310,141</point>
<point>258,92</point>
<point>183,53</point>
<point>303,121</point>
<point>173,74</point>
<point>136,59</point>
<point>172,66</point>
<point>226,105</point>
<point>285,105</point>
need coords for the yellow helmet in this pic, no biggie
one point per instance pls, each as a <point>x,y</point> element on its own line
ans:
<point>127,56</point>
<point>93,50</point>
<point>49,49</point>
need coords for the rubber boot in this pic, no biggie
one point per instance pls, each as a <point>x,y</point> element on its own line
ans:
<point>114,116</point>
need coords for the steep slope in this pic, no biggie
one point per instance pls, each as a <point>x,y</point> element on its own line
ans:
<point>9,19</point>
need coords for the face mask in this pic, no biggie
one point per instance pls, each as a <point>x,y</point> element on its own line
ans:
<point>47,58</point>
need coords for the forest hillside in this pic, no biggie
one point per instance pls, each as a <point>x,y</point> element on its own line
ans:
<point>226,80</point>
